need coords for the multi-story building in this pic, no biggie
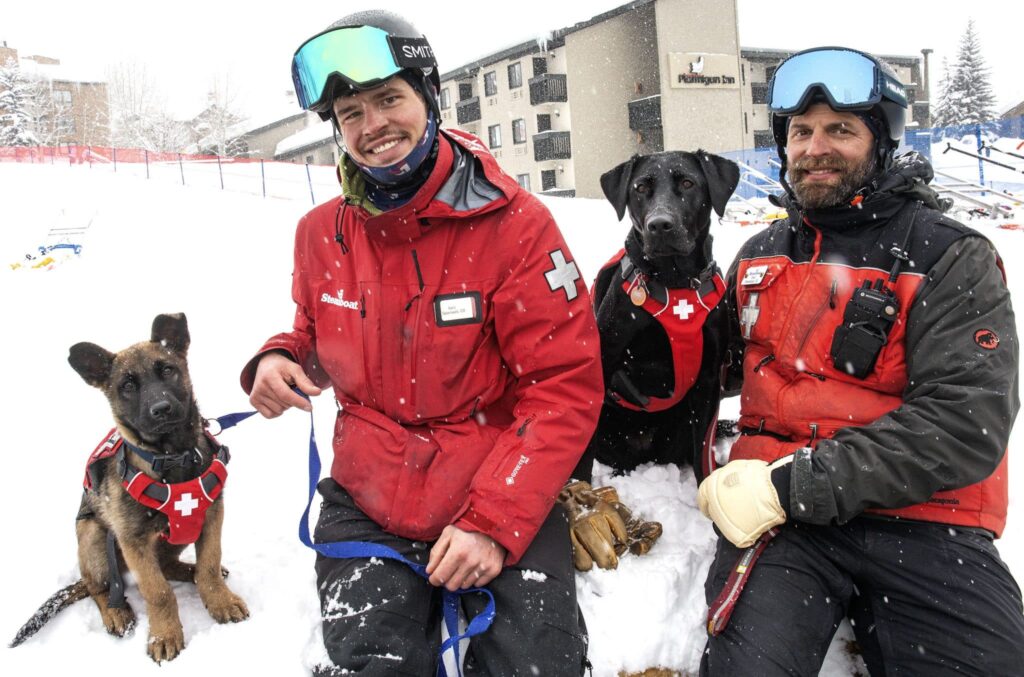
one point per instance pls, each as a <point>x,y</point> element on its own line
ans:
<point>72,107</point>
<point>647,76</point>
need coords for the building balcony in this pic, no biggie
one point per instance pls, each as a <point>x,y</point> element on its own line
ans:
<point>467,110</point>
<point>645,113</point>
<point>551,146</point>
<point>548,88</point>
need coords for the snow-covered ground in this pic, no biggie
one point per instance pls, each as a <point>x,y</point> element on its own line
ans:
<point>224,259</point>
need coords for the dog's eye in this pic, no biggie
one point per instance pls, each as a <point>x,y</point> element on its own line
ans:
<point>686,183</point>
<point>166,370</point>
<point>129,386</point>
<point>642,188</point>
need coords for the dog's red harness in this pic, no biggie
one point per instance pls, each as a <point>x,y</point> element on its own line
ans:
<point>682,315</point>
<point>184,503</point>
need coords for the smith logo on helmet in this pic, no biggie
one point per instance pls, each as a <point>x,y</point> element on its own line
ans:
<point>412,52</point>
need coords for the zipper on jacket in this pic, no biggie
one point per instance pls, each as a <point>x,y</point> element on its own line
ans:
<point>765,360</point>
<point>419,280</point>
<point>830,302</point>
<point>522,428</point>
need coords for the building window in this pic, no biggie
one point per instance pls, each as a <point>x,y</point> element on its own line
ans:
<point>515,75</point>
<point>540,66</point>
<point>465,91</point>
<point>494,136</point>
<point>523,180</point>
<point>62,97</point>
<point>759,92</point>
<point>519,131</point>
<point>547,179</point>
<point>446,99</point>
<point>543,122</point>
<point>769,73</point>
<point>490,83</point>
<point>763,138</point>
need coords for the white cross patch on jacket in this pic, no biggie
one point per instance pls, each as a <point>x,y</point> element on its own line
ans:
<point>563,275</point>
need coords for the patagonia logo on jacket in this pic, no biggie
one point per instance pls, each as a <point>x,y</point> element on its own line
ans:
<point>340,301</point>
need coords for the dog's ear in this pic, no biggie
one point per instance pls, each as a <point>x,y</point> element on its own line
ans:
<point>723,176</point>
<point>615,184</point>
<point>92,363</point>
<point>171,331</point>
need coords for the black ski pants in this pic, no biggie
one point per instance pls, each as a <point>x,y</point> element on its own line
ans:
<point>381,618</point>
<point>923,599</point>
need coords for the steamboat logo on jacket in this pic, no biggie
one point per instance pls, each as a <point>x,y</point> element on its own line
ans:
<point>563,275</point>
<point>339,301</point>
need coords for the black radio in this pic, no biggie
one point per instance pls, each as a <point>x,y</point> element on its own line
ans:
<point>867,320</point>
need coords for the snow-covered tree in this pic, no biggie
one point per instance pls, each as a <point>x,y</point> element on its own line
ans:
<point>968,91</point>
<point>137,114</point>
<point>944,114</point>
<point>17,103</point>
<point>216,129</point>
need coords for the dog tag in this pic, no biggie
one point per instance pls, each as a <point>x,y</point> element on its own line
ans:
<point>638,295</point>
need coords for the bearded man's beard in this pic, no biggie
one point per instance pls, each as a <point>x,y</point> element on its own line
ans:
<point>826,194</point>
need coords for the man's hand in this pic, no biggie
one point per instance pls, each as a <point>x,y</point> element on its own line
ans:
<point>741,499</point>
<point>272,391</point>
<point>464,559</point>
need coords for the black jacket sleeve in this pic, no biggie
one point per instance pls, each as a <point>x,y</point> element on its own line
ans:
<point>735,345</point>
<point>958,407</point>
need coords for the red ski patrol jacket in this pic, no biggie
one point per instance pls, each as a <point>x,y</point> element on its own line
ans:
<point>923,434</point>
<point>457,333</point>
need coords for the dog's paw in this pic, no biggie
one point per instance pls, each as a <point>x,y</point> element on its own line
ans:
<point>166,646</point>
<point>119,622</point>
<point>228,608</point>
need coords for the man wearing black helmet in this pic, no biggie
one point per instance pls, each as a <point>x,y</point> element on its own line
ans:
<point>875,351</point>
<point>441,303</point>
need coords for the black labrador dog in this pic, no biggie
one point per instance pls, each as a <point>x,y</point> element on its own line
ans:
<point>663,329</point>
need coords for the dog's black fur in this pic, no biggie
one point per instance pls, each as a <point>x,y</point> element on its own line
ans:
<point>669,197</point>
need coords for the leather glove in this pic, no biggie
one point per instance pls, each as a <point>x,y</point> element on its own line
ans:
<point>742,501</point>
<point>640,535</point>
<point>595,528</point>
<point>602,529</point>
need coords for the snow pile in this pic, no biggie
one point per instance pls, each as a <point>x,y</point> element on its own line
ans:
<point>225,260</point>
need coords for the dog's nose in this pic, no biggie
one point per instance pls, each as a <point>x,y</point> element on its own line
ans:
<point>160,409</point>
<point>658,224</point>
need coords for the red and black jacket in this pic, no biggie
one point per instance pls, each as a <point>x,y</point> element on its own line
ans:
<point>923,436</point>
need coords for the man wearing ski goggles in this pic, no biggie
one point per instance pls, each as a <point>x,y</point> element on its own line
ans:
<point>875,354</point>
<point>460,416</point>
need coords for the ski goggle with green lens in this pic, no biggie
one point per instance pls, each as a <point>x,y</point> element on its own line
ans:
<point>850,80</point>
<point>362,56</point>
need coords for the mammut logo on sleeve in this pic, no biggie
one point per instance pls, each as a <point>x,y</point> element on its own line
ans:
<point>987,339</point>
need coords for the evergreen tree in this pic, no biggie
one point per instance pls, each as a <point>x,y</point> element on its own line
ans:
<point>944,114</point>
<point>969,92</point>
<point>16,106</point>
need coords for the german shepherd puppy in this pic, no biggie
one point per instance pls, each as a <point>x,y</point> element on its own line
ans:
<point>150,395</point>
<point>659,315</point>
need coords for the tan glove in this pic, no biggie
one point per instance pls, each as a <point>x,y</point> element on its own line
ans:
<point>641,535</point>
<point>741,500</point>
<point>601,528</point>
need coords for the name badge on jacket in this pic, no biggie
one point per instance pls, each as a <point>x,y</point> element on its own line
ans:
<point>451,310</point>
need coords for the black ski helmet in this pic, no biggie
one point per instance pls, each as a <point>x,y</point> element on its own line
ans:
<point>425,80</point>
<point>886,117</point>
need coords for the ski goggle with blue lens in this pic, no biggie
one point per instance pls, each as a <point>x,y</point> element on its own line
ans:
<point>362,56</point>
<point>850,80</point>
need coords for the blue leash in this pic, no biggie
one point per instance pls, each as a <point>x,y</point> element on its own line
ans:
<point>359,549</point>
